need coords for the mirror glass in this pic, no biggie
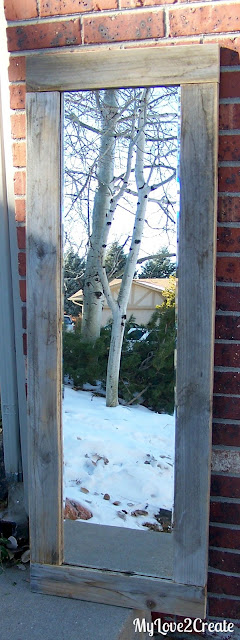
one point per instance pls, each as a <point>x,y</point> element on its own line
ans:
<point>121,198</point>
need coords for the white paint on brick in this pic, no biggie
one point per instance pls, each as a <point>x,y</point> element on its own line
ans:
<point>225,460</point>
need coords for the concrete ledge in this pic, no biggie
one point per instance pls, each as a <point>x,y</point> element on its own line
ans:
<point>31,616</point>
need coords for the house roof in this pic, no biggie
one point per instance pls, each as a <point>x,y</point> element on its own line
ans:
<point>158,284</point>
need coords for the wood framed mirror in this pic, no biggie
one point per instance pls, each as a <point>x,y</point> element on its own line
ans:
<point>196,70</point>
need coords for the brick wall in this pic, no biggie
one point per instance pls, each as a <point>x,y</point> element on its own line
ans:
<point>44,24</point>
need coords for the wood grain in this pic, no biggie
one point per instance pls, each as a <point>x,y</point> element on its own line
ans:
<point>195,343</point>
<point>102,69</point>
<point>44,300</point>
<point>119,589</point>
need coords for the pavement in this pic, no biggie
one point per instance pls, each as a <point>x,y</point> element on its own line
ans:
<point>25,615</point>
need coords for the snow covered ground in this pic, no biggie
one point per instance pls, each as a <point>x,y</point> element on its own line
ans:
<point>124,453</point>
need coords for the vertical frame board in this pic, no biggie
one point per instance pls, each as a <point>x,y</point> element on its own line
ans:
<point>44,296</point>
<point>195,336</point>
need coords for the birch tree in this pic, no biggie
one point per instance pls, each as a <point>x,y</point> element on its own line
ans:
<point>101,218</point>
<point>126,172</point>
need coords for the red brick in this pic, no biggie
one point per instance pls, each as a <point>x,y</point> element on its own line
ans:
<point>24,317</point>
<point>44,34</point>
<point>229,209</point>
<point>228,239</point>
<point>20,183</point>
<point>229,51</point>
<point>229,116</point>
<point>20,9</point>
<point>227,328</point>
<point>20,210</point>
<point>226,486</point>
<point>225,512</point>
<point>19,154</point>
<point>24,344</point>
<point>226,408</point>
<point>18,125</point>
<point>126,26</point>
<point>21,237</point>
<point>230,82</point>
<point>228,269</point>
<point>227,382</point>
<point>223,537</point>
<point>22,288</point>
<point>224,608</point>
<point>224,561</point>
<point>17,96</point>
<point>229,48</point>
<point>228,299</point>
<point>17,69</point>
<point>227,355</point>
<point>226,435</point>
<point>228,585</point>
<point>64,7</point>
<point>22,264</point>
<point>186,21</point>
<point>229,179</point>
<point>229,148</point>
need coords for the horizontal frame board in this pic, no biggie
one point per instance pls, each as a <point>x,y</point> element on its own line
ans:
<point>123,68</point>
<point>119,589</point>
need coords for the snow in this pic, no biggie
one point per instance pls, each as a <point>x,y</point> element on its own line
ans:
<point>125,452</point>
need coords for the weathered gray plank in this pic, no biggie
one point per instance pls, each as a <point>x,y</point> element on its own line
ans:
<point>196,310</point>
<point>119,589</point>
<point>12,366</point>
<point>8,377</point>
<point>44,326</point>
<point>123,68</point>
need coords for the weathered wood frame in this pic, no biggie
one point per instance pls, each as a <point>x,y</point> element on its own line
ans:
<point>196,69</point>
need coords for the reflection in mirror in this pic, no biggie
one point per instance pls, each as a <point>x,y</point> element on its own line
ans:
<point>119,333</point>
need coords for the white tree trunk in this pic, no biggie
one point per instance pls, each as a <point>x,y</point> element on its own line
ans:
<point>114,358</point>
<point>119,308</point>
<point>93,296</point>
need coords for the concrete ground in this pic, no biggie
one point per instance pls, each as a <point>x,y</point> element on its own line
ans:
<point>30,616</point>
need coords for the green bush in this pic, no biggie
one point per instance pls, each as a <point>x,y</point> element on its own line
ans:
<point>147,369</point>
<point>147,366</point>
<point>84,361</point>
